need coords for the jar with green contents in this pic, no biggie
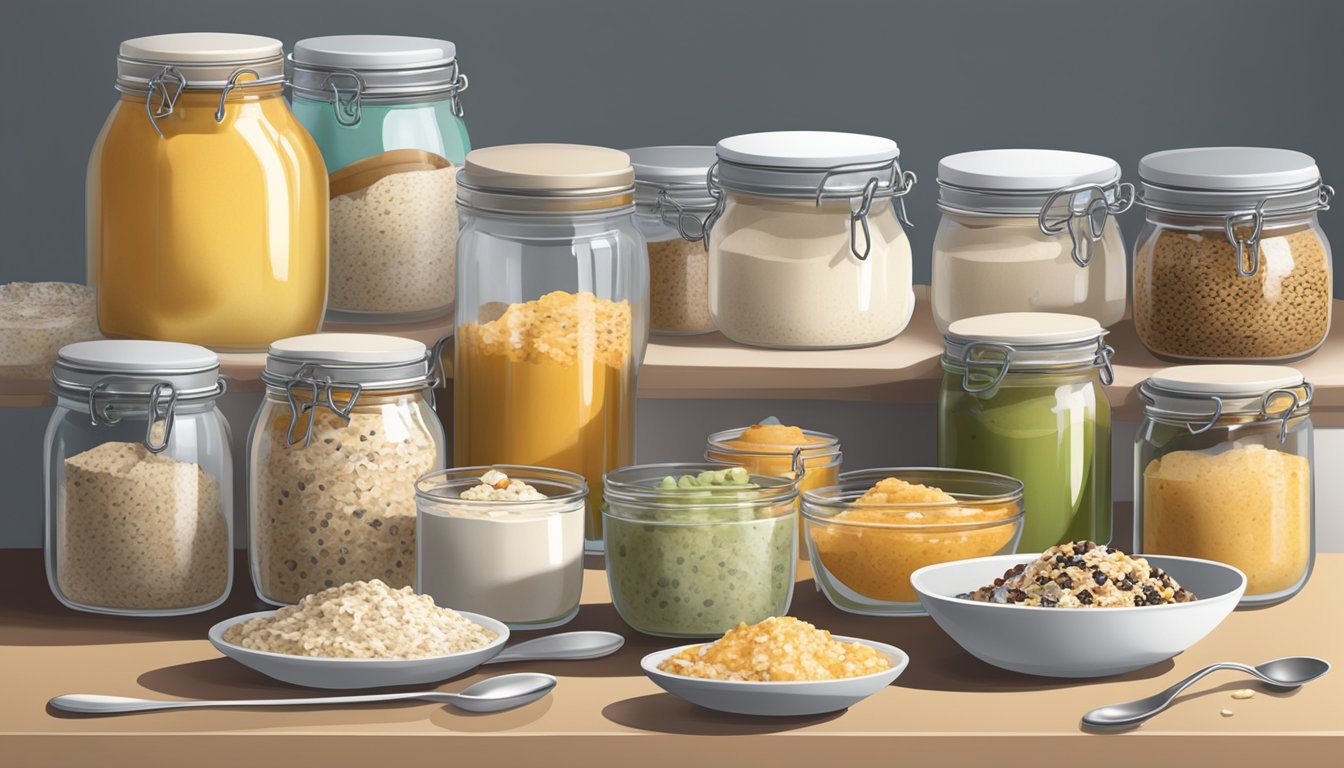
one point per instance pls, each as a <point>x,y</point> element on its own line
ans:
<point>1022,395</point>
<point>695,549</point>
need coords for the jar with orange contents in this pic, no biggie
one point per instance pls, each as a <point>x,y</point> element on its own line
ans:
<point>207,209</point>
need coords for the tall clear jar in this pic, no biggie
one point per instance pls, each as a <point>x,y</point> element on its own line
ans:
<point>1232,264</point>
<point>806,248</point>
<point>1029,230</point>
<point>552,312</point>
<point>139,480</point>
<point>1223,471</point>
<point>672,202</point>
<point>346,427</point>
<point>207,213</point>
<point>386,112</point>
<point>1022,395</point>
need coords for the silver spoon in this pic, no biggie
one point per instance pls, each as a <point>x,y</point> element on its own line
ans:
<point>566,646</point>
<point>1286,674</point>
<point>493,695</point>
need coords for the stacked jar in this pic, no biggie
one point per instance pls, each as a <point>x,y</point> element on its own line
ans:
<point>207,215</point>
<point>345,429</point>
<point>1029,230</point>
<point>806,249</point>
<point>552,318</point>
<point>386,112</point>
<point>139,479</point>
<point>1223,471</point>
<point>1232,263</point>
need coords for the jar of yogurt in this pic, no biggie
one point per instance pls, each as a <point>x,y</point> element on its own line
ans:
<point>693,550</point>
<point>1223,471</point>
<point>1023,396</point>
<point>1029,230</point>
<point>503,541</point>
<point>806,249</point>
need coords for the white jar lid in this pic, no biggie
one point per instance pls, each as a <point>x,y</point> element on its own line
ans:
<point>676,172</point>
<point>1026,170</point>
<point>134,366</point>
<point>361,52</point>
<point>373,67</point>
<point>806,149</point>
<point>1206,392</point>
<point>1229,181</point>
<point>1229,380</point>
<point>1026,328</point>
<point>1025,341</point>
<point>205,60</point>
<point>366,359</point>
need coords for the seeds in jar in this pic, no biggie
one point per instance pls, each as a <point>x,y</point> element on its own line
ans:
<point>362,620</point>
<point>679,287</point>
<point>777,649</point>
<point>394,244</point>
<point>343,508</point>
<point>1189,301</point>
<point>37,319</point>
<point>1083,575</point>
<point>140,531</point>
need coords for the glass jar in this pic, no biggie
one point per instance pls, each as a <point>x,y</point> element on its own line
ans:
<point>1029,230</point>
<point>671,204</point>
<point>139,480</point>
<point>346,427</point>
<point>516,560</point>
<point>1022,396</point>
<point>1223,471</point>
<point>1232,263</point>
<point>552,315</point>
<point>387,114</point>
<point>207,220</point>
<point>799,257</point>
<point>693,550</point>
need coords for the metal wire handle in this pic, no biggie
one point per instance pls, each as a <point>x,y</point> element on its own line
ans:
<point>1105,371</point>
<point>683,214</point>
<point>103,415</point>
<point>322,391</point>
<point>994,380</point>
<point>348,111</point>
<point>1255,220</point>
<point>229,86</point>
<point>1292,408</point>
<point>460,84</point>
<point>167,101</point>
<point>898,185</point>
<point>1087,202</point>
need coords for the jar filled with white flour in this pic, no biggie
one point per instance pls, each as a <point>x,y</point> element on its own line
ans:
<point>139,479</point>
<point>1029,230</point>
<point>346,427</point>
<point>806,247</point>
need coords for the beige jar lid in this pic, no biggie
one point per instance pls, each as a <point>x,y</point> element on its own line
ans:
<point>1204,394</point>
<point>986,347</point>
<point>546,178</point>
<point>203,60</point>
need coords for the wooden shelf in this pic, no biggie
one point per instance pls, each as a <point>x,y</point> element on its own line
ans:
<point>948,708</point>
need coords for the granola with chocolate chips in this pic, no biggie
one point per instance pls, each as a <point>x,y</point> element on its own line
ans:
<point>1083,575</point>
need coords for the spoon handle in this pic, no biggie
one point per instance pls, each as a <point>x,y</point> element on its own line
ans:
<point>1132,713</point>
<point>95,704</point>
<point>565,646</point>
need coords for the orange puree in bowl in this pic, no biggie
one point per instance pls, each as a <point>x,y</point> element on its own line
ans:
<point>877,561</point>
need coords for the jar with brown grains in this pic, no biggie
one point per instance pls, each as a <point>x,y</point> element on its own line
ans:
<point>1232,263</point>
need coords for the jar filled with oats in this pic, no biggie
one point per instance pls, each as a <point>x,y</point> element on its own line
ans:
<point>672,201</point>
<point>139,479</point>
<point>1232,263</point>
<point>346,427</point>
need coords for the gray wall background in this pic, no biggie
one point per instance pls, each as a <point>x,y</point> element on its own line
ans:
<point>1119,77</point>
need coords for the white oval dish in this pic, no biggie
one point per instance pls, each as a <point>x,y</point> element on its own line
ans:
<point>1076,642</point>
<point>327,672</point>
<point>772,699</point>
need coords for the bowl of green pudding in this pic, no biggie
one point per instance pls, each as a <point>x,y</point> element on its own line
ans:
<point>693,550</point>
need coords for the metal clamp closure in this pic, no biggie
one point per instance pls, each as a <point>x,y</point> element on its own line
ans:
<point>896,187</point>
<point>460,84</point>
<point>688,224</point>
<point>1254,221</point>
<point>229,86</point>
<point>1102,362</point>
<point>1295,403</point>
<point>161,402</point>
<point>1087,207</point>
<point>348,109</point>
<point>321,393</point>
<point>160,83</point>
<point>994,369</point>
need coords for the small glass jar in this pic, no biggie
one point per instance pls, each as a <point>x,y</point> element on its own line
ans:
<point>518,561</point>
<point>552,312</point>
<point>693,550</point>
<point>863,551</point>
<point>1232,263</point>
<point>1223,471</point>
<point>671,204</point>
<point>139,480</point>
<point>1022,396</point>
<point>207,215</point>
<point>1029,230</point>
<point>345,429</point>
<point>387,113</point>
<point>804,250</point>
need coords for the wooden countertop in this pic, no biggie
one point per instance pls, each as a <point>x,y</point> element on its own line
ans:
<point>947,708</point>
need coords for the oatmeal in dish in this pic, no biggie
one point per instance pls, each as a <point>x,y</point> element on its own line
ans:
<point>779,649</point>
<point>1083,575</point>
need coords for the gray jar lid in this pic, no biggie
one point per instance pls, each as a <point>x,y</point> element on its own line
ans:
<point>1021,182</point>
<point>133,367</point>
<point>671,182</point>
<point>373,67</point>
<point>369,361</point>
<point>1227,180</point>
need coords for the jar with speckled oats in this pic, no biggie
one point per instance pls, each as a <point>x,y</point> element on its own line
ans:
<point>1232,264</point>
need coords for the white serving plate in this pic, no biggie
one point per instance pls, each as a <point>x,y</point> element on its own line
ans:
<point>809,697</point>
<point>323,672</point>
<point>1076,642</point>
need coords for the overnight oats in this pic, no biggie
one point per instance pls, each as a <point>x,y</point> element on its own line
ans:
<point>1083,574</point>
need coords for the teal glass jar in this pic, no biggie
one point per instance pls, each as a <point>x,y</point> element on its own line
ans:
<point>386,111</point>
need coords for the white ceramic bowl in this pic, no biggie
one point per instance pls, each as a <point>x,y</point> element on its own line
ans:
<point>808,697</point>
<point>323,672</point>
<point>1076,642</point>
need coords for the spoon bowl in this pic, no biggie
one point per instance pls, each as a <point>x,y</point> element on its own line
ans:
<point>497,694</point>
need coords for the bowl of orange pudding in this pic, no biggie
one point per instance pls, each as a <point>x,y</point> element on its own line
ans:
<point>780,450</point>
<point>870,531</point>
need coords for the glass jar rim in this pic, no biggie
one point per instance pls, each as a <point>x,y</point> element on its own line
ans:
<point>851,485</point>
<point>431,486</point>
<point>634,487</point>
